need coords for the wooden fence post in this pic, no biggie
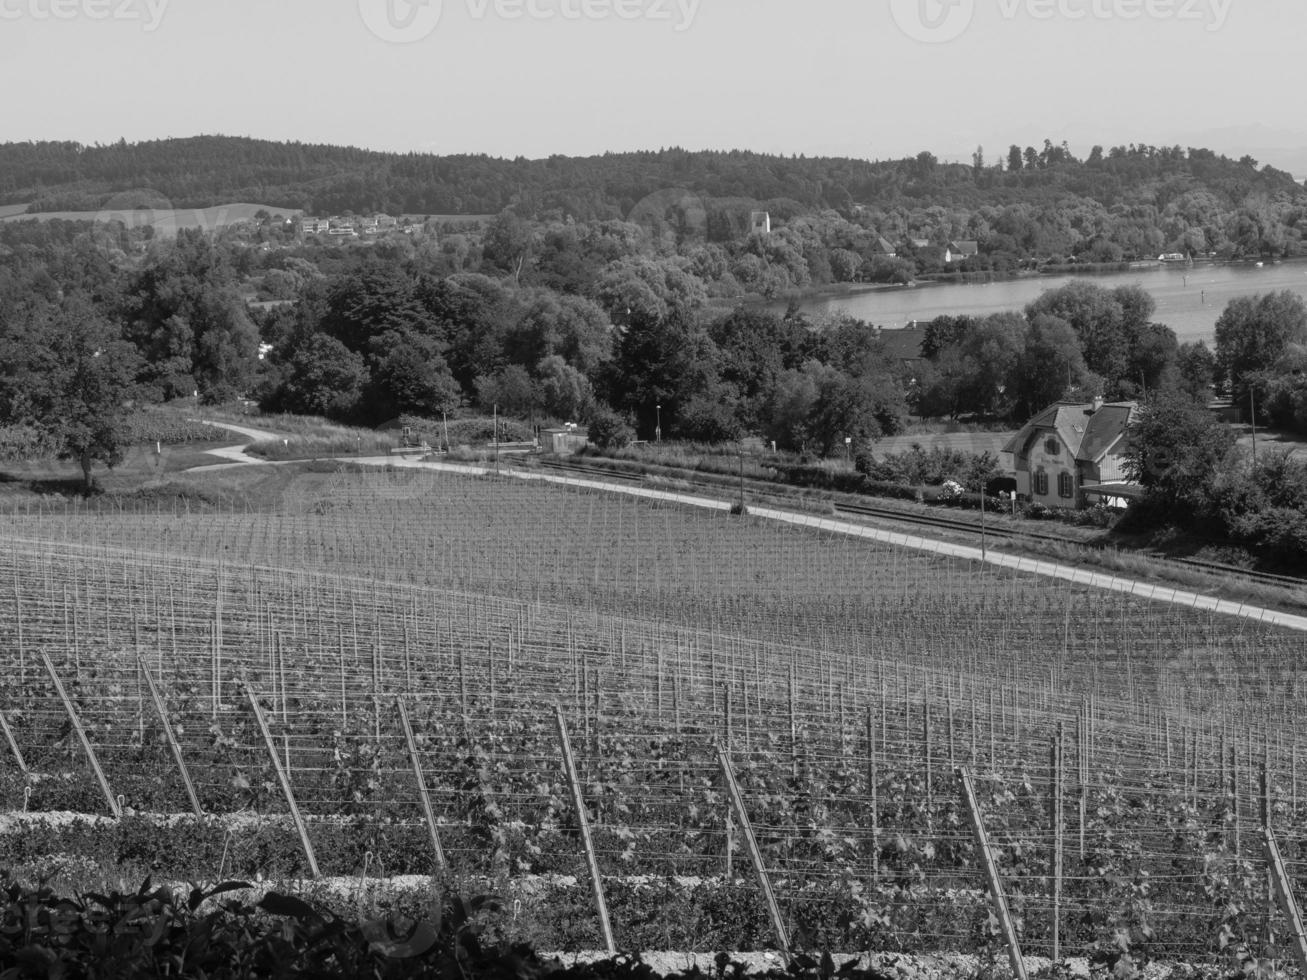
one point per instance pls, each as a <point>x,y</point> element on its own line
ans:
<point>114,807</point>
<point>569,767</point>
<point>284,779</point>
<point>746,830</point>
<point>162,709</point>
<point>1055,802</point>
<point>423,793</point>
<point>991,874</point>
<point>13,746</point>
<point>1284,896</point>
<point>872,792</point>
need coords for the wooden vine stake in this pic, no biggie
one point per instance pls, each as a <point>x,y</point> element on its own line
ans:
<point>991,874</point>
<point>751,842</point>
<point>423,793</point>
<point>284,779</point>
<point>569,767</point>
<point>114,806</point>
<point>871,791</point>
<point>162,709</point>
<point>13,745</point>
<point>1055,804</point>
<point>1284,897</point>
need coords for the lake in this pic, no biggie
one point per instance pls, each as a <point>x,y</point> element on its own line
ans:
<point>1189,300</point>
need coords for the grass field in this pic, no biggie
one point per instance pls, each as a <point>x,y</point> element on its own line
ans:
<point>969,442</point>
<point>165,221</point>
<point>846,679</point>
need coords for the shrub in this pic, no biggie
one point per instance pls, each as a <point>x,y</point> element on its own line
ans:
<point>608,430</point>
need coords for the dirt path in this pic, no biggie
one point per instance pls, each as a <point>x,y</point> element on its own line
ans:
<point>236,455</point>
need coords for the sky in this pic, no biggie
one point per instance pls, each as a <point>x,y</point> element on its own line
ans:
<point>872,79</point>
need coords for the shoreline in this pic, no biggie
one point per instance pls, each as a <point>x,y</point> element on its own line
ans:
<point>838,290</point>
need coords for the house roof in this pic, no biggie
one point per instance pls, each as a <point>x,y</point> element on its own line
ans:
<point>1088,433</point>
<point>903,343</point>
<point>965,248</point>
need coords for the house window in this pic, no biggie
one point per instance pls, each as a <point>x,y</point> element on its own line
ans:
<point>1041,484</point>
<point>1066,486</point>
<point>1052,447</point>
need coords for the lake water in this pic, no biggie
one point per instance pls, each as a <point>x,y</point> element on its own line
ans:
<point>1189,300</point>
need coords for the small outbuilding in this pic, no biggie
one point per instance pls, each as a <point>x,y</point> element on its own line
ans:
<point>563,442</point>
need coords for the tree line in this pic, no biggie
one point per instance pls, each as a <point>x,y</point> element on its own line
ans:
<point>605,322</point>
<point>1120,204</point>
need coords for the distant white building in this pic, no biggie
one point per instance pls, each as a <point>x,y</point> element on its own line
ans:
<point>760,223</point>
<point>314,226</point>
<point>960,251</point>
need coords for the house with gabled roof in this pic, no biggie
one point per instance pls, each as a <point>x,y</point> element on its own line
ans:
<point>1072,454</point>
<point>881,246</point>
<point>961,251</point>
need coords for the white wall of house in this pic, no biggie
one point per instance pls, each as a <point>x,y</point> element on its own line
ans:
<point>1112,468</point>
<point>1053,464</point>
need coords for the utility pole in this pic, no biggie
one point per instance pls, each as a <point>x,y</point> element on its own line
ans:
<point>496,440</point>
<point>741,482</point>
<point>1252,417</point>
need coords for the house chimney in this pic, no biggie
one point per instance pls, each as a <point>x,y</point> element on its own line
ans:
<point>1098,405</point>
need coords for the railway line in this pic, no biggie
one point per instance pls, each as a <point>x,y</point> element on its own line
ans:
<point>996,532</point>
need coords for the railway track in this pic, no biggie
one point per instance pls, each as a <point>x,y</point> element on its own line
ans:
<point>941,523</point>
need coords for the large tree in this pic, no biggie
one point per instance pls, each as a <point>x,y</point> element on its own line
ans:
<point>666,361</point>
<point>187,319</point>
<point>1254,333</point>
<point>1051,367</point>
<point>1176,450</point>
<point>1117,337</point>
<point>66,371</point>
<point>321,377</point>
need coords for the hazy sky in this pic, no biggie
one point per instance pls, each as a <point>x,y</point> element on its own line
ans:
<point>866,78</point>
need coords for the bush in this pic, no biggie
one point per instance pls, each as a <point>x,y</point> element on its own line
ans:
<point>168,427</point>
<point>608,430</point>
<point>971,501</point>
<point>314,447</point>
<point>933,467</point>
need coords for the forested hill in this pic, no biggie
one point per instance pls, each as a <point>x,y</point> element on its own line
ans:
<point>208,170</point>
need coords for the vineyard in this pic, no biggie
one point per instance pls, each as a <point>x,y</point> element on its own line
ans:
<point>396,653</point>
